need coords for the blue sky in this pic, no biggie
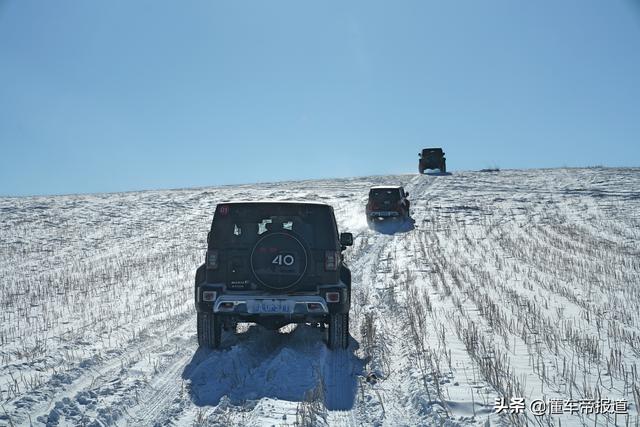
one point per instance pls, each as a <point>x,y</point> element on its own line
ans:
<point>119,95</point>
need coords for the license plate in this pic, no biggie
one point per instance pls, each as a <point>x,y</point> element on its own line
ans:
<point>384,213</point>
<point>270,306</point>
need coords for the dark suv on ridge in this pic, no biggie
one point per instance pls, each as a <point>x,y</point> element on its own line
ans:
<point>432,158</point>
<point>273,263</point>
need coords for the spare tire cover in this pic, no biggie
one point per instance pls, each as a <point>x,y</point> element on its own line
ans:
<point>279,260</point>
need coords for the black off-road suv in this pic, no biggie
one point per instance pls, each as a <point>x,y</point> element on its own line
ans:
<point>432,158</point>
<point>273,263</point>
<point>387,202</point>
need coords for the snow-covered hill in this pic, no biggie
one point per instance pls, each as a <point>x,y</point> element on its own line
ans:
<point>516,283</point>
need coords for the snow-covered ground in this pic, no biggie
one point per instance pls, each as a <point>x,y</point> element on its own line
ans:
<point>515,283</point>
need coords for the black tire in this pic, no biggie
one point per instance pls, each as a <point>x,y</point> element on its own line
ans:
<point>443,168</point>
<point>338,331</point>
<point>209,330</point>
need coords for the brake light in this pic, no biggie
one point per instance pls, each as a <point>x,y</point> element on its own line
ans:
<point>208,296</point>
<point>212,260</point>
<point>333,296</point>
<point>331,260</point>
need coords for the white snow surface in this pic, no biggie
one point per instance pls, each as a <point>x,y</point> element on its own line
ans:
<point>520,283</point>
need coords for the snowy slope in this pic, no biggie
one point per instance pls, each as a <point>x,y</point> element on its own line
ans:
<point>517,283</point>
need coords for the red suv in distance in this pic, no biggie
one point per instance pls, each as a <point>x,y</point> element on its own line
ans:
<point>387,202</point>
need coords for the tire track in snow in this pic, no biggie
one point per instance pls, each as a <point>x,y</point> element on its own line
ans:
<point>163,401</point>
<point>391,394</point>
<point>113,391</point>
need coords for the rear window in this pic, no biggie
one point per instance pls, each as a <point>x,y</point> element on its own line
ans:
<point>241,225</point>
<point>392,194</point>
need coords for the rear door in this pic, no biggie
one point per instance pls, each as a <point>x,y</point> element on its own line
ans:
<point>272,246</point>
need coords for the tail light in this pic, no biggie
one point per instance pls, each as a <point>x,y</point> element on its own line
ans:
<point>212,260</point>
<point>314,306</point>
<point>374,206</point>
<point>331,260</point>
<point>208,296</point>
<point>332,296</point>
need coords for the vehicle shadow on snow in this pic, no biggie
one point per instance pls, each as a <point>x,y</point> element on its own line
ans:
<point>393,227</point>
<point>436,173</point>
<point>261,363</point>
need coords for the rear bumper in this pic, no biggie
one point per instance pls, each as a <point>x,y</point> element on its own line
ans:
<point>433,164</point>
<point>251,305</point>
<point>383,214</point>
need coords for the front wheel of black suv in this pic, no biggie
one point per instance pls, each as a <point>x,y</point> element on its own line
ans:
<point>209,330</point>
<point>338,331</point>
